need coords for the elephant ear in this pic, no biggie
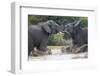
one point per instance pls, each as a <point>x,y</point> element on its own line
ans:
<point>46,28</point>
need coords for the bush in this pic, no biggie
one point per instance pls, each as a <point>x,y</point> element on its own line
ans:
<point>57,39</point>
<point>84,22</point>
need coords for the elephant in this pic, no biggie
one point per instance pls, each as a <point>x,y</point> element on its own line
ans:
<point>38,35</point>
<point>78,34</point>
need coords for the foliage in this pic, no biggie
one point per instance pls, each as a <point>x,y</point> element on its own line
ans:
<point>84,22</point>
<point>57,39</point>
<point>36,19</point>
<point>61,20</point>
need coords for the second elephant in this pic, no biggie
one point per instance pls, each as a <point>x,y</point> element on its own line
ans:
<point>78,34</point>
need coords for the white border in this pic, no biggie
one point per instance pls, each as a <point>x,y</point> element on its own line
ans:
<point>18,32</point>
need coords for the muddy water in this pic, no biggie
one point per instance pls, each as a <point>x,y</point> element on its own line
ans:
<point>58,55</point>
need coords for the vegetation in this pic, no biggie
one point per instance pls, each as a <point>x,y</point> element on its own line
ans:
<point>57,39</point>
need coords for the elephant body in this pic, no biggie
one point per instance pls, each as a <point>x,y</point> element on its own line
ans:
<point>79,36</point>
<point>38,35</point>
<point>37,38</point>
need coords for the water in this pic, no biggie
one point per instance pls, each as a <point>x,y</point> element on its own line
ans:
<point>58,55</point>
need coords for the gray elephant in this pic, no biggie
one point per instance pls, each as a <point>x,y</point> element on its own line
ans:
<point>38,35</point>
<point>79,35</point>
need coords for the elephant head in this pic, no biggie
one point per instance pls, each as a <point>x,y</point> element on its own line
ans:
<point>51,27</point>
<point>70,27</point>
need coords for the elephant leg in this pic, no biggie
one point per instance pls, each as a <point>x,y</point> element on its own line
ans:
<point>43,46</point>
<point>30,45</point>
<point>30,48</point>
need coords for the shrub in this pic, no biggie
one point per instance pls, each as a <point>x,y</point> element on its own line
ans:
<point>57,39</point>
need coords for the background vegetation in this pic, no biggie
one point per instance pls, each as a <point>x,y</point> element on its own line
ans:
<point>57,39</point>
